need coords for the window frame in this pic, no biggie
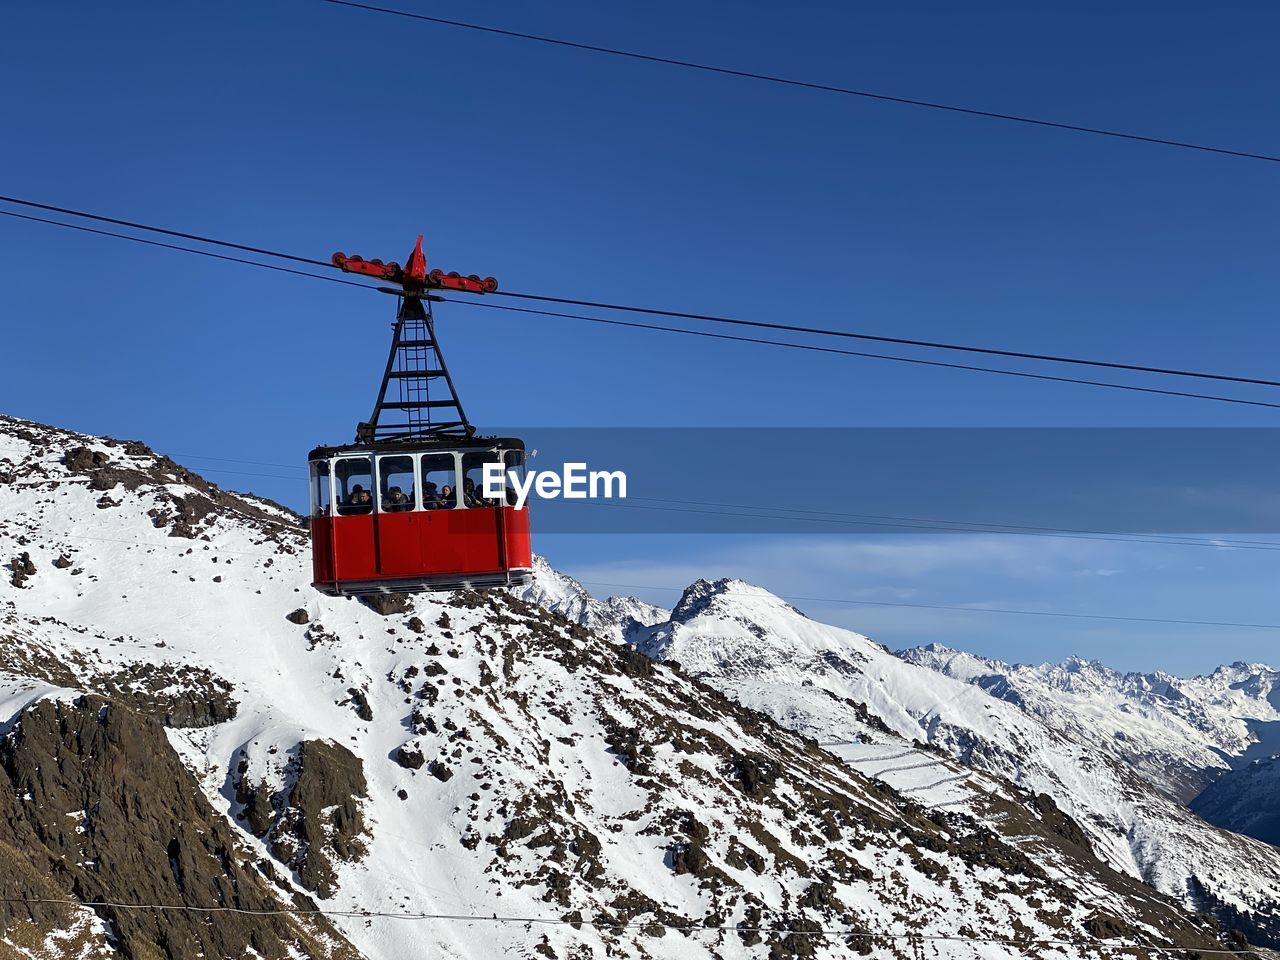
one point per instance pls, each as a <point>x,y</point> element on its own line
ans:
<point>521,466</point>
<point>422,479</point>
<point>495,452</point>
<point>368,458</point>
<point>316,473</point>
<point>415,459</point>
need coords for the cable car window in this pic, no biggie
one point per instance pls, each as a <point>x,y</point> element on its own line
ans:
<point>513,460</point>
<point>439,481</point>
<point>473,477</point>
<point>320,501</point>
<point>353,483</point>
<point>395,484</point>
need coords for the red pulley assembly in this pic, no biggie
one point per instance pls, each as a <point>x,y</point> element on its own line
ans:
<point>414,276</point>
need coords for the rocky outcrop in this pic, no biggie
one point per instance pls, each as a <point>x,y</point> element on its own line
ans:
<point>177,695</point>
<point>388,604</point>
<point>95,802</point>
<point>317,818</point>
<point>23,569</point>
<point>131,465</point>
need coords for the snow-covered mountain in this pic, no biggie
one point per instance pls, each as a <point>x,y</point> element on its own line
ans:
<point>187,724</point>
<point>893,717</point>
<point>1179,734</point>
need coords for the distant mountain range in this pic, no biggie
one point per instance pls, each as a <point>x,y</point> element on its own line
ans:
<point>1180,734</point>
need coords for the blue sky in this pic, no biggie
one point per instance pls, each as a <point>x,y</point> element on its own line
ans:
<point>310,128</point>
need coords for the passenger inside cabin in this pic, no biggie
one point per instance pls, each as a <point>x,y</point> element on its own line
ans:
<point>447,497</point>
<point>431,496</point>
<point>471,496</point>
<point>396,500</point>
<point>360,501</point>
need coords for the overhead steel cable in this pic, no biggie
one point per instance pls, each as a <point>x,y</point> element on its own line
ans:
<point>816,348</point>
<point>692,316</point>
<point>900,341</point>
<point>848,933</point>
<point>256,463</point>
<point>661,312</point>
<point>813,85</point>
<point>182,249</point>
<point>18,201</point>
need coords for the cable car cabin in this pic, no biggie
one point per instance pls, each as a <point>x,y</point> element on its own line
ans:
<point>402,510</point>
<point>412,518</point>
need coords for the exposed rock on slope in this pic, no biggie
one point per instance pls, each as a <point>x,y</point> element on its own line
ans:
<point>97,801</point>
<point>318,817</point>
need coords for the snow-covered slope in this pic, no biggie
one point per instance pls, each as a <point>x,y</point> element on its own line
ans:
<point>1178,733</point>
<point>839,686</point>
<point>532,787</point>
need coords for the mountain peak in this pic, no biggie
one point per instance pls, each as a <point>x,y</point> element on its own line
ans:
<point>702,596</point>
<point>936,647</point>
<point>955,663</point>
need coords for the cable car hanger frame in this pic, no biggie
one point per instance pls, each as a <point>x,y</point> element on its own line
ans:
<point>415,360</point>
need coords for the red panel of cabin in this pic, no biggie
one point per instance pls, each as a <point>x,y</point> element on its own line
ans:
<point>322,549</point>
<point>516,534</point>
<point>399,551</point>
<point>420,545</point>
<point>475,533</point>
<point>353,548</point>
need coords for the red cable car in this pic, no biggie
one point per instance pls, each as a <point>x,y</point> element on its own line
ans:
<point>402,510</point>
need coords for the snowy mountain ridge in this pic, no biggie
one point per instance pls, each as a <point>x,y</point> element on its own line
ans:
<point>850,692</point>
<point>1179,733</point>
